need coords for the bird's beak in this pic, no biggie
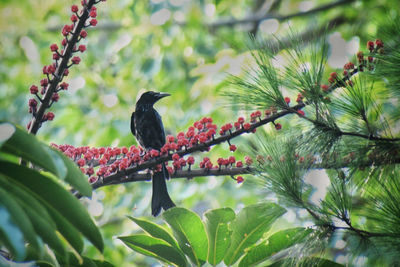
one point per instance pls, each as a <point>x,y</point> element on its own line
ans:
<point>161,95</point>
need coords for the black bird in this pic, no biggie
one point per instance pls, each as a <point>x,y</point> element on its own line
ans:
<point>147,127</point>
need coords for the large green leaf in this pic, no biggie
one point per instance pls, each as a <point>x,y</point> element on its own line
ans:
<point>190,232</point>
<point>11,235</point>
<point>155,248</point>
<point>29,148</point>
<point>67,230</point>
<point>218,233</point>
<point>38,215</point>
<point>57,197</point>
<point>311,261</point>
<point>18,217</point>
<point>249,226</point>
<point>6,131</point>
<point>155,231</point>
<point>275,243</point>
<point>74,177</point>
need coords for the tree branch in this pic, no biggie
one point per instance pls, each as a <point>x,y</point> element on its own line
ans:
<point>122,177</point>
<point>36,121</point>
<point>257,18</point>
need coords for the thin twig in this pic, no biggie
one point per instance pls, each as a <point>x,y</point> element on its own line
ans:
<point>256,19</point>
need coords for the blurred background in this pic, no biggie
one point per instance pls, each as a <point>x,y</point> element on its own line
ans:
<point>186,48</point>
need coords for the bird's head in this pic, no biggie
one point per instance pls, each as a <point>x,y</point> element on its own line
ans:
<point>151,97</point>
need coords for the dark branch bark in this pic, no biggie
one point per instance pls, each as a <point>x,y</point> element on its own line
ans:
<point>36,121</point>
<point>136,177</point>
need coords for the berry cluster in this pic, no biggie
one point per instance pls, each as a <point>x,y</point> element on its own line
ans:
<point>363,62</point>
<point>63,59</point>
<point>103,162</point>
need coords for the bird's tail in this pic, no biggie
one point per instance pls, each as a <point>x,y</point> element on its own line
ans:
<point>160,198</point>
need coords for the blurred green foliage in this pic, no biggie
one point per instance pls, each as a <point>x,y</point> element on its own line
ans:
<point>129,53</point>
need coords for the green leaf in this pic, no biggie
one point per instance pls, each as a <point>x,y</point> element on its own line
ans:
<point>19,218</point>
<point>155,248</point>
<point>40,219</point>
<point>74,177</point>
<point>312,261</point>
<point>6,131</point>
<point>67,230</point>
<point>29,148</point>
<point>275,243</point>
<point>219,235</point>
<point>58,198</point>
<point>11,235</point>
<point>102,263</point>
<point>249,226</point>
<point>155,231</point>
<point>190,232</point>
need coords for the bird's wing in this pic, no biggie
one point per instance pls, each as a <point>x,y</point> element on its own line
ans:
<point>133,123</point>
<point>160,128</point>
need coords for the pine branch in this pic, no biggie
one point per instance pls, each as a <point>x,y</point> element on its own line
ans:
<point>319,123</point>
<point>362,232</point>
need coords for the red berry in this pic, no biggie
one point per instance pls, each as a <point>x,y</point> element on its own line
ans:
<point>66,72</point>
<point>64,42</point>
<point>154,153</point>
<point>287,100</point>
<point>81,162</point>
<point>92,179</point>
<point>208,165</point>
<point>239,164</point>
<point>278,126</point>
<point>190,160</point>
<point>53,47</point>
<point>50,116</point>
<point>370,45</point>
<point>248,160</point>
<point>51,69</point>
<point>74,8</point>
<point>56,56</point>
<point>325,87</point>
<point>76,60</point>
<point>55,97</point>
<point>378,43</point>
<point>175,156</point>
<point>93,13</point>
<point>349,66</point>
<point>170,138</point>
<point>82,48</point>
<point>83,34</point>
<point>34,89</point>
<point>239,179</point>
<point>93,22</point>
<point>74,18</point>
<point>246,126</point>
<point>64,85</point>
<point>301,113</point>
<point>32,102</point>
<point>232,159</point>
<point>240,120</point>
<point>170,170</point>
<point>232,148</point>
